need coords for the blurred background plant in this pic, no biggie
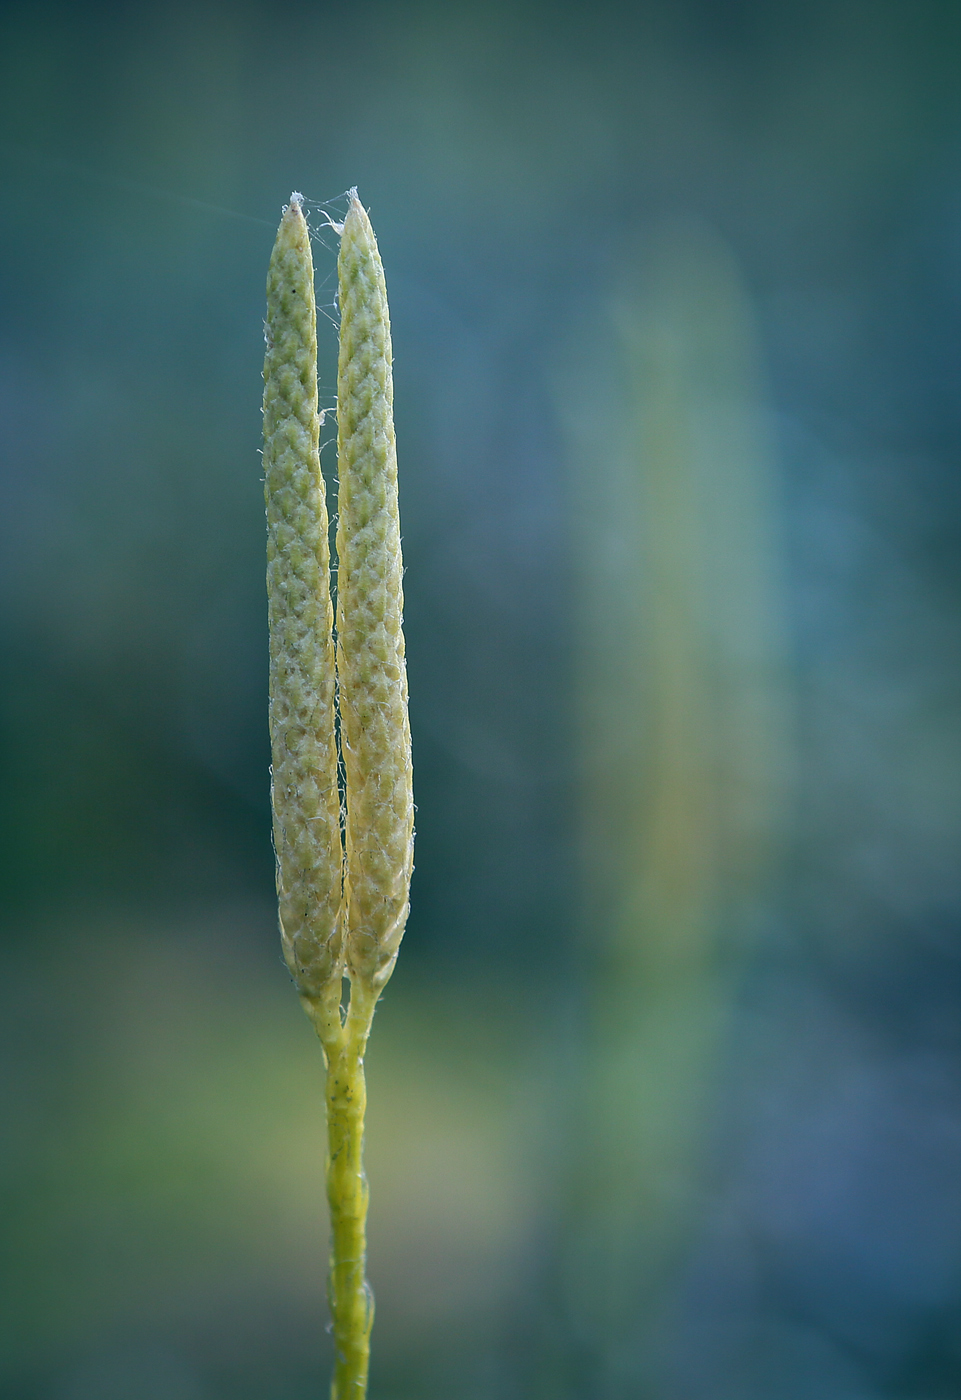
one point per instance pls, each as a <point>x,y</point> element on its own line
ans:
<point>666,1093</point>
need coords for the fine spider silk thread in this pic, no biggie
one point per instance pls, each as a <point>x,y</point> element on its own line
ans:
<point>343,902</point>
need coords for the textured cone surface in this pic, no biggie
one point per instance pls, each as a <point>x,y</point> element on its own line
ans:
<point>375,734</point>
<point>306,802</point>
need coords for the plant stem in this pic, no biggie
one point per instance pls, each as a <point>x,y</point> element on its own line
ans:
<point>349,1295</point>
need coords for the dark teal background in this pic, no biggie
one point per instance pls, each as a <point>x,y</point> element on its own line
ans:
<point>162,1232</point>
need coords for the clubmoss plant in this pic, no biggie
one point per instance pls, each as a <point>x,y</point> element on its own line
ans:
<point>343,899</point>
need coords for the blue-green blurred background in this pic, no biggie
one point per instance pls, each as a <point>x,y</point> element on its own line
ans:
<point>665,1095</point>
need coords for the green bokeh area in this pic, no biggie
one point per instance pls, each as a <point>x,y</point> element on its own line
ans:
<point>664,1095</point>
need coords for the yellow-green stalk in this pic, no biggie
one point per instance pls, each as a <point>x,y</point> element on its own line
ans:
<point>342,911</point>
